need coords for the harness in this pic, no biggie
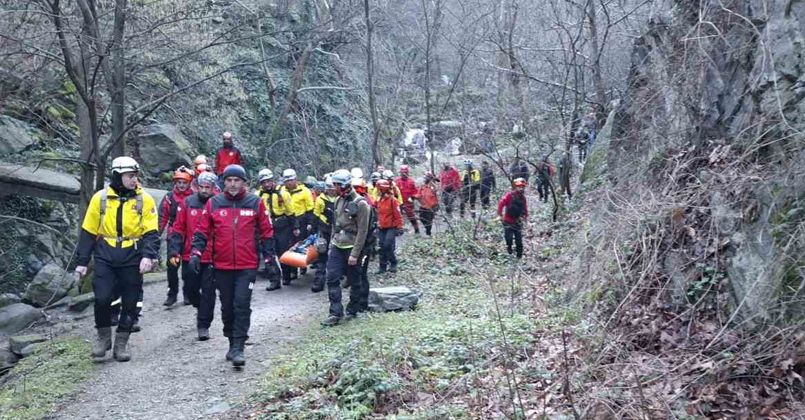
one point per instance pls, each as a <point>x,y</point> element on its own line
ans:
<point>137,207</point>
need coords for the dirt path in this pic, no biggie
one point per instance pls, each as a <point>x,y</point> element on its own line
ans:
<point>172,375</point>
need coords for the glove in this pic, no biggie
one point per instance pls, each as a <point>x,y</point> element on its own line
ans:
<point>194,264</point>
<point>174,260</point>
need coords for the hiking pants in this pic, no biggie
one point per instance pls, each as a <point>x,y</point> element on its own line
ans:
<point>543,188</point>
<point>107,282</point>
<point>320,277</point>
<point>192,285</point>
<point>337,267</point>
<point>513,233</point>
<point>486,191</point>
<point>469,194</point>
<point>447,198</point>
<point>206,298</point>
<point>235,291</point>
<point>426,215</point>
<point>117,303</point>
<point>173,280</point>
<point>387,240</point>
<point>283,235</point>
<point>408,209</point>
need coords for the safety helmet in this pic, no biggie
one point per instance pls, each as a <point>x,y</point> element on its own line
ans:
<point>265,174</point>
<point>207,178</point>
<point>125,164</point>
<point>383,185</point>
<point>341,178</point>
<point>310,181</point>
<point>356,172</point>
<point>288,175</point>
<point>227,135</point>
<point>520,182</point>
<point>467,162</point>
<point>380,168</point>
<point>405,169</point>
<point>328,183</point>
<point>387,174</point>
<point>236,171</point>
<point>203,167</point>
<point>182,173</point>
<point>200,159</point>
<point>359,185</point>
<point>374,176</point>
<point>320,186</point>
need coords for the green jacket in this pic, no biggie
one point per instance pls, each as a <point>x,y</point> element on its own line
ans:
<point>352,214</point>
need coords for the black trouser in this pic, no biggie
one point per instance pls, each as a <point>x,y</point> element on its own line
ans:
<point>206,299</point>
<point>485,192</point>
<point>513,233</point>
<point>320,277</point>
<point>582,151</point>
<point>117,303</point>
<point>387,241</point>
<point>543,188</point>
<point>173,280</point>
<point>447,198</point>
<point>469,194</point>
<point>235,291</point>
<point>192,285</point>
<point>426,216</point>
<point>337,267</point>
<point>363,293</point>
<point>283,235</point>
<point>106,284</point>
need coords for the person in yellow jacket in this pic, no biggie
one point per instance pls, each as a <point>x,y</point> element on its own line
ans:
<point>373,191</point>
<point>323,211</point>
<point>470,187</point>
<point>276,201</point>
<point>300,211</point>
<point>120,229</point>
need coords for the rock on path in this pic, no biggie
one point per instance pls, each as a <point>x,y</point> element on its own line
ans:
<point>172,375</point>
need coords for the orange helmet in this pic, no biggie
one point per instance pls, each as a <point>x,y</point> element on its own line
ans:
<point>520,182</point>
<point>202,167</point>
<point>200,159</point>
<point>183,173</point>
<point>383,185</point>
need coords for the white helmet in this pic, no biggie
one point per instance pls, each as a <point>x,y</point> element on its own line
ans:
<point>387,174</point>
<point>328,183</point>
<point>264,174</point>
<point>341,177</point>
<point>124,164</point>
<point>288,175</point>
<point>356,172</point>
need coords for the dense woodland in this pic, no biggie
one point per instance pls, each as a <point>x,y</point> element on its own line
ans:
<point>664,278</point>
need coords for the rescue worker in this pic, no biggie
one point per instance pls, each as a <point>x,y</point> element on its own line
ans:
<point>323,209</point>
<point>227,155</point>
<point>200,287</point>
<point>310,184</point>
<point>238,225</point>
<point>471,184</point>
<point>350,228</point>
<point>200,169</point>
<point>299,209</point>
<point>544,173</point>
<point>513,212</point>
<point>519,169</point>
<point>369,251</point>
<point>120,229</point>
<point>167,215</point>
<point>428,197</point>
<point>451,185</point>
<point>389,175</point>
<point>408,191</point>
<point>372,189</point>
<point>198,161</point>
<point>275,200</point>
<point>488,184</point>
<point>389,222</point>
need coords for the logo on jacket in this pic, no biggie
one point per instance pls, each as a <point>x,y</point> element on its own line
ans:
<point>246,212</point>
<point>223,213</point>
<point>231,153</point>
<point>193,212</point>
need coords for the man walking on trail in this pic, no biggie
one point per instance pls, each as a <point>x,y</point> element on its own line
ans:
<point>199,287</point>
<point>120,229</point>
<point>513,212</point>
<point>428,201</point>
<point>451,184</point>
<point>239,227</point>
<point>275,200</point>
<point>167,216</point>
<point>471,184</point>
<point>488,184</point>
<point>519,169</point>
<point>227,154</point>
<point>408,190</point>
<point>299,209</point>
<point>544,173</point>
<point>323,209</point>
<point>350,229</point>
<point>389,222</point>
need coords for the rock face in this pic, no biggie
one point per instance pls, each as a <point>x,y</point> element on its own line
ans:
<point>50,285</point>
<point>386,299</point>
<point>162,148</point>
<point>17,317</point>
<point>8,299</point>
<point>15,135</point>
<point>18,343</point>
<point>81,302</point>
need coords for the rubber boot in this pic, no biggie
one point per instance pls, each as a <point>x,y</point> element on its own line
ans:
<point>170,300</point>
<point>231,348</point>
<point>331,321</point>
<point>203,334</point>
<point>103,343</point>
<point>238,358</point>
<point>121,352</point>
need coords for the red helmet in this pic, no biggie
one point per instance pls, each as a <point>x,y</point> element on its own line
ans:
<point>405,169</point>
<point>383,185</point>
<point>520,182</point>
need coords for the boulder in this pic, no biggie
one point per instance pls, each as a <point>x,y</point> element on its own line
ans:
<point>399,298</point>
<point>20,342</point>
<point>50,284</point>
<point>81,302</point>
<point>9,299</point>
<point>18,316</point>
<point>15,135</point>
<point>7,359</point>
<point>162,148</point>
<point>29,349</point>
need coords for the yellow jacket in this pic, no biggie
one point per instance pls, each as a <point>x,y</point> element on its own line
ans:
<point>300,202</point>
<point>276,207</point>
<point>320,207</point>
<point>474,177</point>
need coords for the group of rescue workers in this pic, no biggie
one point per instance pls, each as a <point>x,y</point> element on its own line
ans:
<point>218,233</point>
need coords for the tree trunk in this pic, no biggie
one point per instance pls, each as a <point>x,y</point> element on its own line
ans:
<point>429,137</point>
<point>598,81</point>
<point>370,81</point>
<point>296,83</point>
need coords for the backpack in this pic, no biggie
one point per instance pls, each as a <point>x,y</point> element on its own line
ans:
<point>173,206</point>
<point>371,232</point>
<point>516,207</point>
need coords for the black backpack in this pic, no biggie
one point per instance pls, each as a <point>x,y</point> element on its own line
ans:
<point>517,206</point>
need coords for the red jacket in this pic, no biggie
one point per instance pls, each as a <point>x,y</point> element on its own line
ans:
<point>235,225</point>
<point>505,204</point>
<point>181,236</point>
<point>450,179</point>
<point>407,188</point>
<point>226,156</point>
<point>388,212</point>
<point>427,196</point>
<point>169,205</point>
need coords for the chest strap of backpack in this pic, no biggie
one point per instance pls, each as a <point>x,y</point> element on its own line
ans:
<point>137,207</point>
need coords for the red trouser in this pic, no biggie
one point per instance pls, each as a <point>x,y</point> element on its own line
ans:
<point>408,209</point>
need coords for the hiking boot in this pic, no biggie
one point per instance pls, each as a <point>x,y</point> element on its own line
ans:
<point>231,349</point>
<point>103,342</point>
<point>331,321</point>
<point>121,352</point>
<point>238,358</point>
<point>381,270</point>
<point>186,300</point>
<point>286,281</point>
<point>317,287</point>
<point>350,316</point>
<point>273,285</point>
<point>302,271</point>
<point>393,268</point>
<point>170,300</point>
<point>203,334</point>
<point>136,326</point>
